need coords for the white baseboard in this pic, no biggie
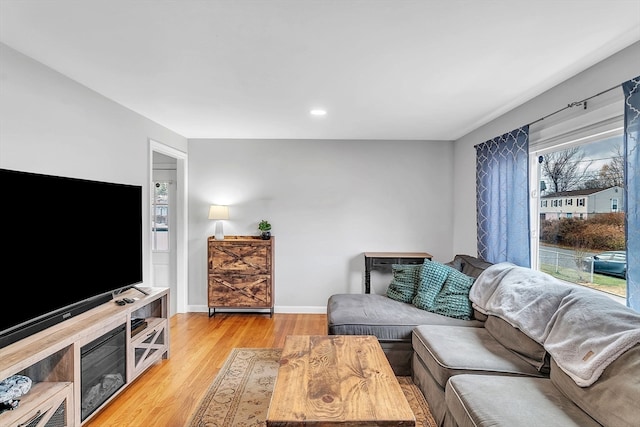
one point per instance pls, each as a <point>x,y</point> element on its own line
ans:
<point>277,309</point>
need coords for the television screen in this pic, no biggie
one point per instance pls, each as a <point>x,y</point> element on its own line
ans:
<point>66,241</point>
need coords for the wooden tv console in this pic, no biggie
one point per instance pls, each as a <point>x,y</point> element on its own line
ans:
<point>51,358</point>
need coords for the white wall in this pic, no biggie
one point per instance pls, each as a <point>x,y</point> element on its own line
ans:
<point>611,72</point>
<point>51,124</point>
<point>328,202</point>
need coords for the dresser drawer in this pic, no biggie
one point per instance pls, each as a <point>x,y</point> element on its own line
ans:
<point>239,257</point>
<point>232,290</point>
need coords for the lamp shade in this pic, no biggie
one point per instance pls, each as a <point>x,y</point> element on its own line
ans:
<point>218,212</point>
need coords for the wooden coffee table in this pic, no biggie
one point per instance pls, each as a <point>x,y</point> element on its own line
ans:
<point>336,379</point>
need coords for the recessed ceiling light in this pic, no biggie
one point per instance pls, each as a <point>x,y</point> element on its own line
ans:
<point>318,112</point>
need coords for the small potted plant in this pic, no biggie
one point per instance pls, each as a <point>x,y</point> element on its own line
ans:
<point>265,229</point>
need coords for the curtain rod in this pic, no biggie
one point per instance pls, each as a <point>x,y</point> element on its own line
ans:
<point>575,104</point>
<point>570,105</point>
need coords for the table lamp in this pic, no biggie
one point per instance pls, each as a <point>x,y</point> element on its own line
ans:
<point>219,213</point>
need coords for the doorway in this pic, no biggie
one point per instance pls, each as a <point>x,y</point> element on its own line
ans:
<point>168,203</point>
<point>163,223</point>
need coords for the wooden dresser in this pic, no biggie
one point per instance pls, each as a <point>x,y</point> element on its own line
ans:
<point>240,273</point>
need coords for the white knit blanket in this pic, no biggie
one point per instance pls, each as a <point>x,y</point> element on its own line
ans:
<point>525,298</point>
<point>584,331</point>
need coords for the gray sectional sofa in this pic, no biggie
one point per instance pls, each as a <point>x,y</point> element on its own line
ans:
<point>536,352</point>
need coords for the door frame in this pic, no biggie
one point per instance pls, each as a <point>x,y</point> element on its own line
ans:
<point>181,219</point>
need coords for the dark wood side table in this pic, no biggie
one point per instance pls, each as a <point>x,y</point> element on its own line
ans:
<point>384,260</point>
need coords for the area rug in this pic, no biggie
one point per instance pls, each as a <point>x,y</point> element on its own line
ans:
<point>240,394</point>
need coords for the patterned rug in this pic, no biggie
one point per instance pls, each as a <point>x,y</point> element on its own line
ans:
<point>240,394</point>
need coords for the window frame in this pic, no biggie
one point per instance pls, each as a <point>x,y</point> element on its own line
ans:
<point>599,119</point>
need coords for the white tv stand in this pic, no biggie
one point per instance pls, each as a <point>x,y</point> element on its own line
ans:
<point>51,358</point>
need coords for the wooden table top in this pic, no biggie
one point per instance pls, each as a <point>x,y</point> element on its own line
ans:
<point>341,379</point>
<point>397,255</point>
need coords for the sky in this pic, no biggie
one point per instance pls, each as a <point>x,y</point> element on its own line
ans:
<point>597,154</point>
<point>601,152</point>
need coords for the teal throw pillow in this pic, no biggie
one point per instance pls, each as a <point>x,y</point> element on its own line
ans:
<point>404,284</point>
<point>432,278</point>
<point>453,298</point>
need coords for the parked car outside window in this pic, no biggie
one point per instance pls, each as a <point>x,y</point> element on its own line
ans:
<point>613,263</point>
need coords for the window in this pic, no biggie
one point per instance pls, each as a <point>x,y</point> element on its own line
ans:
<point>578,154</point>
<point>160,217</point>
<point>564,241</point>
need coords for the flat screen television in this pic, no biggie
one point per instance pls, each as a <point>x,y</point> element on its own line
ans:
<point>69,245</point>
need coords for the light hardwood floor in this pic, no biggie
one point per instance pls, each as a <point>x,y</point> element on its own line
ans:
<point>169,391</point>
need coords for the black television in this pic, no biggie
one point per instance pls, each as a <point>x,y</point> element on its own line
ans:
<point>69,245</point>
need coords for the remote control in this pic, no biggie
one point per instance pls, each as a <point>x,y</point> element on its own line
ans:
<point>128,300</point>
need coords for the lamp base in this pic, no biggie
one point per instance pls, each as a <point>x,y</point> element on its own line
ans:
<point>219,233</point>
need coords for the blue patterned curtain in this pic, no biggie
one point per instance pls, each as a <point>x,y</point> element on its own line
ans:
<point>502,198</point>
<point>632,188</point>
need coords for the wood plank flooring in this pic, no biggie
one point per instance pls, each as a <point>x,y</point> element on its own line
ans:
<point>169,391</point>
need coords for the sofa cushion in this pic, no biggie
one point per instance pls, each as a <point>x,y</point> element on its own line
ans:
<point>470,265</point>
<point>455,263</point>
<point>516,340</point>
<point>613,398</point>
<point>452,350</point>
<point>483,400</point>
<point>383,317</point>
<point>404,283</point>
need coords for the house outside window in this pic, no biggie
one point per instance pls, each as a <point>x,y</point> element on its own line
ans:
<point>614,205</point>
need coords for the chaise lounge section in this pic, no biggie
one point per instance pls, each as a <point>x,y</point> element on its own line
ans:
<point>390,320</point>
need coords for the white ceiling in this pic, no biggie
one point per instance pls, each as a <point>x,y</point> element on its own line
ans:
<point>384,69</point>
